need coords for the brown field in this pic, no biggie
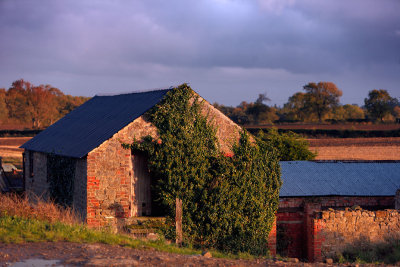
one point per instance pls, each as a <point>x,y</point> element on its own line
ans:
<point>9,146</point>
<point>387,148</point>
<point>356,148</point>
<point>363,127</point>
<point>15,126</point>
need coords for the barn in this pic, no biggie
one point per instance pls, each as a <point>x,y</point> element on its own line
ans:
<point>359,190</point>
<point>79,160</point>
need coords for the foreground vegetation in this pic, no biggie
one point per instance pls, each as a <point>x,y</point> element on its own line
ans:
<point>22,221</point>
<point>368,252</point>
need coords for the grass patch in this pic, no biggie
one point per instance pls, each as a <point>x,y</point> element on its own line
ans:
<point>41,221</point>
<point>367,252</point>
<point>14,229</point>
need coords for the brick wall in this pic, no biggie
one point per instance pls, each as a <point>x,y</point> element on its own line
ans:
<point>296,227</point>
<point>290,233</point>
<point>338,229</point>
<point>272,240</point>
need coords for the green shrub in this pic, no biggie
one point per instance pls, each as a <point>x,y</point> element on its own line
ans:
<point>291,146</point>
<point>229,203</point>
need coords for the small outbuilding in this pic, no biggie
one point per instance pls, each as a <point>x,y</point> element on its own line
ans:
<point>79,161</point>
<point>313,187</point>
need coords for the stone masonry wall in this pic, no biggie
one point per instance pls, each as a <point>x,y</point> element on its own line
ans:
<point>228,132</point>
<point>37,185</point>
<point>110,176</point>
<point>296,227</point>
<point>110,179</point>
<point>339,229</point>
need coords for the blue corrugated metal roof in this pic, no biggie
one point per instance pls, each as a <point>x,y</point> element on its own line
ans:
<point>89,125</point>
<point>305,178</point>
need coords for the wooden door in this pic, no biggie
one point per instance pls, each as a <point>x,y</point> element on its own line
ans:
<point>141,199</point>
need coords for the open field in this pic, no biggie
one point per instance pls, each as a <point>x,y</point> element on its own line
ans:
<point>361,127</point>
<point>9,146</point>
<point>356,148</point>
<point>387,148</point>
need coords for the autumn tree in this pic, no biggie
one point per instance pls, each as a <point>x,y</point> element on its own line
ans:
<point>250,113</point>
<point>295,108</point>
<point>17,100</point>
<point>39,105</point>
<point>321,98</point>
<point>259,112</point>
<point>379,104</point>
<point>3,106</point>
<point>42,105</point>
<point>348,112</point>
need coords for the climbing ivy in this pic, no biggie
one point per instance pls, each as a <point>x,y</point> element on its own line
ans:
<point>229,202</point>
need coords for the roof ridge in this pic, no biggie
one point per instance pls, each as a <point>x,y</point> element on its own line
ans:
<point>138,92</point>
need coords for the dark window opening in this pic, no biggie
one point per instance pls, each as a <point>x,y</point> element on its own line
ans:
<point>31,173</point>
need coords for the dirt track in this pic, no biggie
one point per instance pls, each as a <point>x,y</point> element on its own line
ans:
<point>76,254</point>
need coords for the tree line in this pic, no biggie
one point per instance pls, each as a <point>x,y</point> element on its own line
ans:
<point>320,102</point>
<point>40,106</point>
<point>35,106</point>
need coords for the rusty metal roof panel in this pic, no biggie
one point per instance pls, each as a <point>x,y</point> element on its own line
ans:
<point>306,178</point>
<point>92,123</point>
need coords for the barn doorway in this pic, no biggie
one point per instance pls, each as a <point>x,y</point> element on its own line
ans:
<point>144,197</point>
<point>141,198</point>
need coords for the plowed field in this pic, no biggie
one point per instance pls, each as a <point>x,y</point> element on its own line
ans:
<point>356,148</point>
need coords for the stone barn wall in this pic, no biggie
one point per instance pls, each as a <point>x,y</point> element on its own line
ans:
<point>110,194</point>
<point>35,175</point>
<point>37,185</point>
<point>295,221</point>
<point>110,173</point>
<point>334,231</point>
<point>228,132</point>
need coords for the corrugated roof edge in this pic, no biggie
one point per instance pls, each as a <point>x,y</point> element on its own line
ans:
<point>54,124</point>
<point>136,92</point>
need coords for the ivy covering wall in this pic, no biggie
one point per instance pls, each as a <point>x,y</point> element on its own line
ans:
<point>229,201</point>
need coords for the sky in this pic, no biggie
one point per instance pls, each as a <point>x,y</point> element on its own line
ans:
<point>228,51</point>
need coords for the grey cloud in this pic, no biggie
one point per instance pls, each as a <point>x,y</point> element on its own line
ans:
<point>167,42</point>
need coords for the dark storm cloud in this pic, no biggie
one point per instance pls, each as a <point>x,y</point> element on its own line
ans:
<point>217,45</point>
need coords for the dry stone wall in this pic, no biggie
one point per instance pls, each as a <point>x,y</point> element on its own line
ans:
<point>340,229</point>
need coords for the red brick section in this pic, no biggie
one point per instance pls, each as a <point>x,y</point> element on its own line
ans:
<point>315,239</point>
<point>291,230</point>
<point>272,240</point>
